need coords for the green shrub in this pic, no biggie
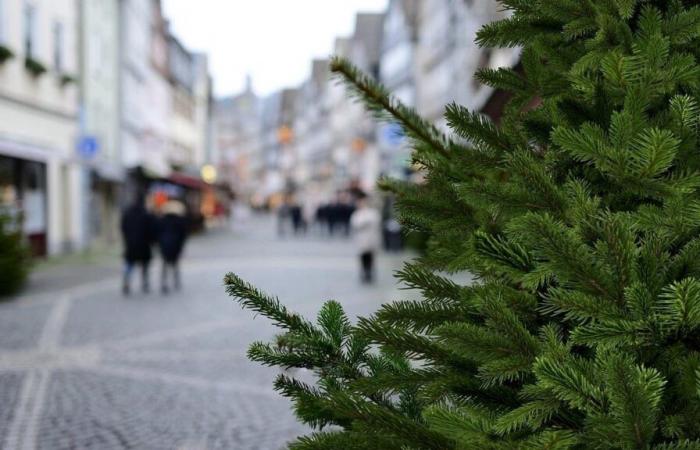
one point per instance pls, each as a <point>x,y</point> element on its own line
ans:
<point>14,256</point>
<point>5,54</point>
<point>34,67</point>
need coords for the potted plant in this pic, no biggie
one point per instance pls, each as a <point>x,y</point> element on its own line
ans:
<point>66,79</point>
<point>5,54</point>
<point>34,67</point>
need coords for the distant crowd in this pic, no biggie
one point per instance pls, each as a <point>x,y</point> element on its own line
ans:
<point>349,213</point>
<point>329,218</point>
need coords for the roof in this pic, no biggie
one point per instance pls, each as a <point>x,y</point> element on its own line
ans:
<point>369,28</point>
<point>319,70</point>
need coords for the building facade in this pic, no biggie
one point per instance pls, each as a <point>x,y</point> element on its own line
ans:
<point>95,97</point>
<point>202,92</point>
<point>238,123</point>
<point>41,175</point>
<point>313,137</point>
<point>398,73</point>
<point>183,128</point>
<point>355,153</point>
<point>145,96</point>
<point>448,57</point>
<point>99,115</point>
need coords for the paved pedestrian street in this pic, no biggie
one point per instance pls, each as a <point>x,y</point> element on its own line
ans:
<point>82,367</point>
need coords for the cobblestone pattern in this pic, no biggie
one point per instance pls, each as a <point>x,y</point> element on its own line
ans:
<point>10,386</point>
<point>84,368</point>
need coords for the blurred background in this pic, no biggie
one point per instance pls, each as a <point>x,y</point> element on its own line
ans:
<point>227,109</point>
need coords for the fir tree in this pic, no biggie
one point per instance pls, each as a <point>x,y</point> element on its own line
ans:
<point>580,221</point>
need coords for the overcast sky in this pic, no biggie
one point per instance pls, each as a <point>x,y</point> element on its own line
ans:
<point>272,40</point>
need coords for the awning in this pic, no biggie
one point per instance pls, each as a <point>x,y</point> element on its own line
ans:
<point>186,180</point>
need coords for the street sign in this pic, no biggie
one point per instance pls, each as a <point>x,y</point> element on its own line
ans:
<point>88,146</point>
<point>392,134</point>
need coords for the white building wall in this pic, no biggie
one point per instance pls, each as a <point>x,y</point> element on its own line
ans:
<point>201,110</point>
<point>100,76</point>
<point>38,116</point>
<point>448,57</point>
<point>145,99</point>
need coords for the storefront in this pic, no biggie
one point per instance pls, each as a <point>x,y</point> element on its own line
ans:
<point>106,183</point>
<point>178,186</point>
<point>23,194</point>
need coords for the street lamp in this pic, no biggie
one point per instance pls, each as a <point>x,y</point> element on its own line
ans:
<point>208,173</point>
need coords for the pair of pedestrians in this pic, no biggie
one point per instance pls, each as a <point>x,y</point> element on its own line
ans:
<point>140,229</point>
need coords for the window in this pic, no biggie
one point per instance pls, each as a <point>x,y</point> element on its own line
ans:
<point>58,46</point>
<point>29,30</point>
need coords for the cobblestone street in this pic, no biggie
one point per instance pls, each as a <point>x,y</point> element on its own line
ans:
<point>82,367</point>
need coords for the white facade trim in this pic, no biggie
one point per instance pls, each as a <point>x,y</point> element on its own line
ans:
<point>25,150</point>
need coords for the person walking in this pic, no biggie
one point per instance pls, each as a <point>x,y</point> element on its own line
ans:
<point>172,233</point>
<point>297,218</point>
<point>284,216</point>
<point>365,223</point>
<point>137,232</point>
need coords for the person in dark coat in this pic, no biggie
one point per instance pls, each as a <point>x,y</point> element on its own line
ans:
<point>334,216</point>
<point>172,233</point>
<point>137,226</point>
<point>297,219</point>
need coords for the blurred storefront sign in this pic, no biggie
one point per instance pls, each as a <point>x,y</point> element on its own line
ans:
<point>285,135</point>
<point>359,145</point>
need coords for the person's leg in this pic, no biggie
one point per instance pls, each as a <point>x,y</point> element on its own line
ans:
<point>126,285</point>
<point>176,275</point>
<point>365,265</point>
<point>164,277</point>
<point>145,285</point>
<point>362,267</point>
<point>370,267</point>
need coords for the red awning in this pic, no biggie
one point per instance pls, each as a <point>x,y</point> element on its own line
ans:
<point>187,181</point>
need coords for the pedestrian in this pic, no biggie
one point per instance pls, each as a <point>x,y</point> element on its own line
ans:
<point>365,223</point>
<point>308,210</point>
<point>137,226</point>
<point>347,208</point>
<point>172,233</point>
<point>333,218</point>
<point>322,218</point>
<point>284,214</point>
<point>297,218</point>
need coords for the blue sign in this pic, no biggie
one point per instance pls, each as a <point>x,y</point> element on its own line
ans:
<point>88,146</point>
<point>393,134</point>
